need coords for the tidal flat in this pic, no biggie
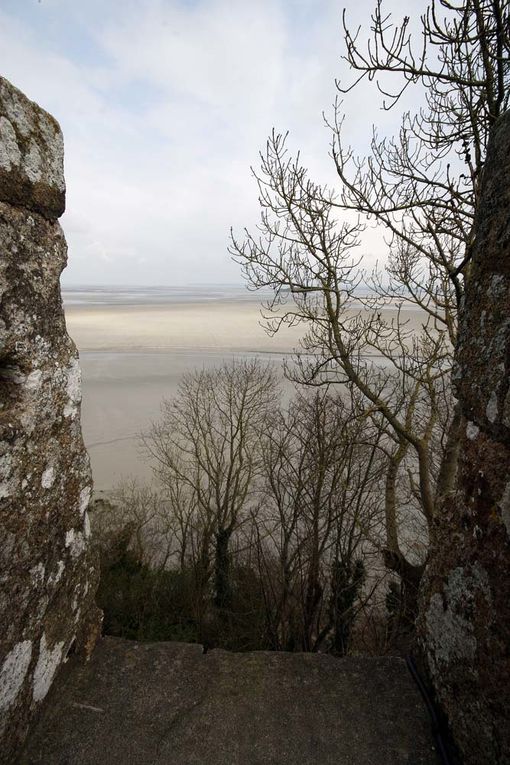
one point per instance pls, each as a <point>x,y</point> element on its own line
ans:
<point>136,343</point>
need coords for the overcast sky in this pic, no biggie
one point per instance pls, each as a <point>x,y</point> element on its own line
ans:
<point>164,106</point>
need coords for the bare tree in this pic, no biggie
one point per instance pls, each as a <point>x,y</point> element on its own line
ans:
<point>321,504</point>
<point>207,455</point>
<point>306,256</point>
<point>422,187</point>
<point>272,515</point>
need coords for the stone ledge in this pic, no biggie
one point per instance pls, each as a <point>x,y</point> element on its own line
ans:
<point>161,703</point>
<point>31,155</point>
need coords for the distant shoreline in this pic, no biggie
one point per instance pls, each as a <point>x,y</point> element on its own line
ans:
<point>156,296</point>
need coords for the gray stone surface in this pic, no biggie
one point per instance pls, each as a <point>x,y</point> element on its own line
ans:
<point>465,600</point>
<point>31,155</point>
<point>47,576</point>
<point>168,703</point>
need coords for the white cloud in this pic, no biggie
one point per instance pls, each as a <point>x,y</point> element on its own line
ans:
<point>164,106</point>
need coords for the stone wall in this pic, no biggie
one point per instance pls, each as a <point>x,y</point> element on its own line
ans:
<point>465,622</point>
<point>47,574</point>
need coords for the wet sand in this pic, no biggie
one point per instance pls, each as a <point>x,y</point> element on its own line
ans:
<point>134,355</point>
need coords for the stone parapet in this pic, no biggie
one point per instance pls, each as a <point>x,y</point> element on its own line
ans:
<point>47,573</point>
<point>465,599</point>
<point>31,155</point>
<point>163,703</point>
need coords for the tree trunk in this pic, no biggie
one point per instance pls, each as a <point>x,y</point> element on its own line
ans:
<point>346,583</point>
<point>410,578</point>
<point>223,586</point>
<point>394,559</point>
<point>450,461</point>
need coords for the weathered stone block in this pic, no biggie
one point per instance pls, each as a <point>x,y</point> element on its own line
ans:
<point>31,155</point>
<point>482,356</point>
<point>47,573</point>
<point>163,703</point>
<point>465,605</point>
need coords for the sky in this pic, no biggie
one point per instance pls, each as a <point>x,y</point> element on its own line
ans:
<point>165,104</point>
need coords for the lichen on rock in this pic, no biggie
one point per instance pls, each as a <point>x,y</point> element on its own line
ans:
<point>31,155</point>
<point>465,598</point>
<point>46,564</point>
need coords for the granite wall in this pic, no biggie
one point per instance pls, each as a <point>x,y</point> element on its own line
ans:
<point>465,606</point>
<point>47,574</point>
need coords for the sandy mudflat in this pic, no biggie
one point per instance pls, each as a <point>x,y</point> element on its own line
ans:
<point>134,355</point>
<point>231,327</point>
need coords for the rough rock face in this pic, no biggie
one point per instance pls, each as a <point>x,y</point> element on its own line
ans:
<point>47,576</point>
<point>162,703</point>
<point>31,155</point>
<point>465,622</point>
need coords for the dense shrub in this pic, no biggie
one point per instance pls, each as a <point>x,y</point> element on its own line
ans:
<point>141,604</point>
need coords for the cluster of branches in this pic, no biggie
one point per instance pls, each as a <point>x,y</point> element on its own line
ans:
<point>274,515</point>
<point>422,187</point>
<point>301,495</point>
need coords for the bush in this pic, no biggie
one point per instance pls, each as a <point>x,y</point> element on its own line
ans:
<point>145,605</point>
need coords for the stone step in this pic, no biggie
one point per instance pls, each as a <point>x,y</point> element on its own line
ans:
<point>171,704</point>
